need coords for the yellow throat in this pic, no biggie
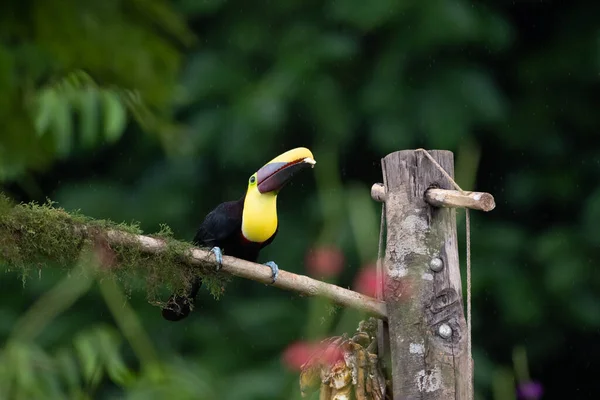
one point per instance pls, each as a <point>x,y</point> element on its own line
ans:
<point>259,218</point>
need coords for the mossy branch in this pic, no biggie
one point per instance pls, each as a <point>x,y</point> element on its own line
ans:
<point>40,235</point>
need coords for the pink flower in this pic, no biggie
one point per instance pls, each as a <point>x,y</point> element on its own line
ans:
<point>329,353</point>
<point>324,262</point>
<point>296,354</point>
<point>299,353</point>
<point>366,281</point>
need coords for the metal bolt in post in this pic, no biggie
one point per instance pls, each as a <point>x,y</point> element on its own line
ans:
<point>445,331</point>
<point>436,264</point>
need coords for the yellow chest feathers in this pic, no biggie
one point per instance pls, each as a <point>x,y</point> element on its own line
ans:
<point>259,218</point>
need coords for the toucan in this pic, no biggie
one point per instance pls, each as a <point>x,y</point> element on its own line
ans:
<point>241,228</point>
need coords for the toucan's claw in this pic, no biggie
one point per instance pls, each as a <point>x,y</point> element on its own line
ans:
<point>274,268</point>
<point>218,255</point>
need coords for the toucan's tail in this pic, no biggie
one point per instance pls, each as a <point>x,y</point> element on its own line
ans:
<point>179,307</point>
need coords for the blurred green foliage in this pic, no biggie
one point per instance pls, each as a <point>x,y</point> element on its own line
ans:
<point>48,53</point>
<point>510,87</point>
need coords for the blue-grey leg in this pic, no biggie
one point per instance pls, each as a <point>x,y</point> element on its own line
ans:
<point>218,255</point>
<point>274,268</point>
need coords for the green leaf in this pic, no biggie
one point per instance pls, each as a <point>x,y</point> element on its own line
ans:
<point>115,116</point>
<point>62,125</point>
<point>116,368</point>
<point>20,359</point>
<point>89,357</point>
<point>88,112</point>
<point>47,100</point>
<point>503,384</point>
<point>68,368</point>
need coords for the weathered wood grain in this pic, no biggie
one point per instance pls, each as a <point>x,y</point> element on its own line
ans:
<point>454,199</point>
<point>421,296</point>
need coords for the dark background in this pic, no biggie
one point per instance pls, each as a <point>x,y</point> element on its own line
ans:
<point>510,87</point>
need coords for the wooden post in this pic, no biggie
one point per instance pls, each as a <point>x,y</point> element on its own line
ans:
<point>422,286</point>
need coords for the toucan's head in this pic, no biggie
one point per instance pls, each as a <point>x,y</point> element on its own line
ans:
<point>259,218</point>
<point>277,172</point>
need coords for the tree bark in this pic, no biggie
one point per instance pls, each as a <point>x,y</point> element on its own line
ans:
<point>422,288</point>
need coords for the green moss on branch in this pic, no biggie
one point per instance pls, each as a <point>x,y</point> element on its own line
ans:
<point>34,236</point>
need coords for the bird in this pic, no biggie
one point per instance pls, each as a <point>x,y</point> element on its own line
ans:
<point>242,228</point>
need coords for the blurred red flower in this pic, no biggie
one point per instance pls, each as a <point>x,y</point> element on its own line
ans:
<point>296,354</point>
<point>329,352</point>
<point>366,280</point>
<point>324,262</point>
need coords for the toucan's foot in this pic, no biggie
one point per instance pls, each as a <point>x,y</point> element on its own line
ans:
<point>218,255</point>
<point>274,268</point>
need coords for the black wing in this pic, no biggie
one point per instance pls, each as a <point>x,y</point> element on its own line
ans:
<point>220,224</point>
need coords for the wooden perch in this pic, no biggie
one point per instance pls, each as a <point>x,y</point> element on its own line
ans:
<point>261,273</point>
<point>446,198</point>
<point>454,199</point>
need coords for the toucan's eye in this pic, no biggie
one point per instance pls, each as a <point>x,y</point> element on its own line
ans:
<point>252,179</point>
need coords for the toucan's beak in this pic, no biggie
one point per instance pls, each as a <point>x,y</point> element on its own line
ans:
<point>277,172</point>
